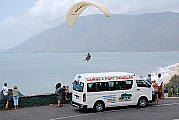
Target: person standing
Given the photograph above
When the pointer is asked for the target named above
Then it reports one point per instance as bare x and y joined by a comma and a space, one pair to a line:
15, 94
165, 92
172, 91
160, 86
5, 91
155, 86
66, 91
59, 93
148, 79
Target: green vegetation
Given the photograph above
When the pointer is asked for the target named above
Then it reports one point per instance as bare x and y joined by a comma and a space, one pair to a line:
174, 82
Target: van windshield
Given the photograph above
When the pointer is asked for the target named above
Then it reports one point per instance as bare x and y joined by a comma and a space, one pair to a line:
78, 86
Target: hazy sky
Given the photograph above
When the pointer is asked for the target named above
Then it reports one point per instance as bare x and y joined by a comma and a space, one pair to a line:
19, 19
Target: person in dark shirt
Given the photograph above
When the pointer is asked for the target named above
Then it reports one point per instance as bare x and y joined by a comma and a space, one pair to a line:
172, 91
59, 93
165, 92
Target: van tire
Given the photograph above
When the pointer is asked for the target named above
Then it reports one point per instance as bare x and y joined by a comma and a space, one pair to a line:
99, 106
142, 102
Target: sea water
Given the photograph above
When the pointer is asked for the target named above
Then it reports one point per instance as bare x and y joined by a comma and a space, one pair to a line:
38, 73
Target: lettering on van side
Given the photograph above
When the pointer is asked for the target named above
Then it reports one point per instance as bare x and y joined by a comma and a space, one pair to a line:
109, 78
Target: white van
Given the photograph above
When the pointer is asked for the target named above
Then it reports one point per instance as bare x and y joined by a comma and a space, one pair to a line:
110, 89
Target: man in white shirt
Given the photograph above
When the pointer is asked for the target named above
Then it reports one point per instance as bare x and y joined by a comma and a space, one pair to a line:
160, 86
5, 93
5, 89
159, 80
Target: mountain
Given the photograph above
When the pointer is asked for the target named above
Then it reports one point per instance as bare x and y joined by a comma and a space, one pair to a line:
122, 33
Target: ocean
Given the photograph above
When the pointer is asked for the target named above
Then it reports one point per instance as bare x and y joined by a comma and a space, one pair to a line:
38, 73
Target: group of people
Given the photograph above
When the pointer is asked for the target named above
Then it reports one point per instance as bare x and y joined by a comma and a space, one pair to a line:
61, 93
160, 90
9, 94
173, 92
13, 94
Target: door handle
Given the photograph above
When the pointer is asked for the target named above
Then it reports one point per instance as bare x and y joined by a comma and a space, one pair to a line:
138, 89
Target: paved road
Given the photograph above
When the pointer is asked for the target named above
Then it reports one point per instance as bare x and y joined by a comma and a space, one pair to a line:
167, 110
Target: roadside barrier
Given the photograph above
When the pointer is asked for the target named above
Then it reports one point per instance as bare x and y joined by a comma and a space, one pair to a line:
36, 100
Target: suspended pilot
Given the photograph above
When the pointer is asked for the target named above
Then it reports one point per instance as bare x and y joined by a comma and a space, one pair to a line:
88, 57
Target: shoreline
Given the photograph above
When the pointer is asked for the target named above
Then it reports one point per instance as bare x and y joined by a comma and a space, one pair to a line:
174, 71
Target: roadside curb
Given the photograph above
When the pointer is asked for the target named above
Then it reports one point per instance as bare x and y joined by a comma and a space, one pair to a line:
171, 97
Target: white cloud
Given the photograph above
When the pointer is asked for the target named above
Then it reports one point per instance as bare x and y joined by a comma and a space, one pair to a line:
49, 13
141, 6
44, 14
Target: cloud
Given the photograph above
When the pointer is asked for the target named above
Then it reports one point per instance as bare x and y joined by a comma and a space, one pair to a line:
141, 6
50, 13
44, 14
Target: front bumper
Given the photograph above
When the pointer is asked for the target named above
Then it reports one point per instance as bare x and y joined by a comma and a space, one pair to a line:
81, 106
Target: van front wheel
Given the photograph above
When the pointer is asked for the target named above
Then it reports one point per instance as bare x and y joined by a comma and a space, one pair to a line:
99, 106
142, 102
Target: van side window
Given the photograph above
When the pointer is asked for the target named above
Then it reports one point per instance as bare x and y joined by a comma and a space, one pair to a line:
112, 85
109, 86
91, 87
98, 86
124, 85
142, 83
103, 86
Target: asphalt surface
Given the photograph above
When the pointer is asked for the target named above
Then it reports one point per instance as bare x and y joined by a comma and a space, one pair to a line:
167, 110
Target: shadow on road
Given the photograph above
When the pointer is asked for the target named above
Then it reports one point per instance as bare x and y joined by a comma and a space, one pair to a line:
110, 108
